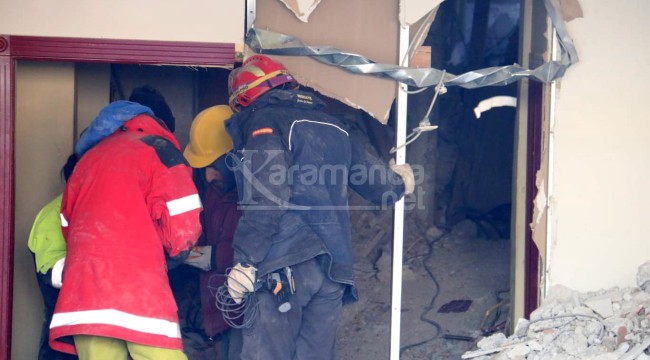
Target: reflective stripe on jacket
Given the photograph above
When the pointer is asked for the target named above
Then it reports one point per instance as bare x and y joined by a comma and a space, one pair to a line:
130, 200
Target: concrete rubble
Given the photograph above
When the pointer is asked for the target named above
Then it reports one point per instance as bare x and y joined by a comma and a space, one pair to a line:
612, 324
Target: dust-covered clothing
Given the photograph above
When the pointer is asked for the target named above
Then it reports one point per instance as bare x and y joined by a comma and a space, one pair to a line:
308, 330
130, 200
294, 166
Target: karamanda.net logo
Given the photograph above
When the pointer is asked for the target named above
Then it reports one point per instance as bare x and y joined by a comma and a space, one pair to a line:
266, 178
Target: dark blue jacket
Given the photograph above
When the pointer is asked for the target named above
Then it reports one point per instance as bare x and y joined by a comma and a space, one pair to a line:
294, 164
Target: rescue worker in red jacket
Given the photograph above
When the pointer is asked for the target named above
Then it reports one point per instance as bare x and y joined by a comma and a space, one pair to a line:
130, 201
207, 152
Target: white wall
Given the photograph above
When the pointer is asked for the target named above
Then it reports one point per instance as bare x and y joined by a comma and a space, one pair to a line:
191, 20
602, 157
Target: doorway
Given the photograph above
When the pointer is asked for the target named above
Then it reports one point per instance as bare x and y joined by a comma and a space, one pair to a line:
68, 64
457, 244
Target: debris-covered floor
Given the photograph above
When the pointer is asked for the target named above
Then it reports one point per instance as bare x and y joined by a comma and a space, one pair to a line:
610, 324
455, 303
450, 280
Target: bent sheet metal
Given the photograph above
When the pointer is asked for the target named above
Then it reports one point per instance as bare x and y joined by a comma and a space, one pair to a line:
273, 43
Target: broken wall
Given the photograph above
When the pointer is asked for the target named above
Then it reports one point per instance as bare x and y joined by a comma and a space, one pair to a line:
354, 27
600, 167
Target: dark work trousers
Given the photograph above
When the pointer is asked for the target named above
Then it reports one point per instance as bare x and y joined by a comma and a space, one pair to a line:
233, 344
50, 296
307, 330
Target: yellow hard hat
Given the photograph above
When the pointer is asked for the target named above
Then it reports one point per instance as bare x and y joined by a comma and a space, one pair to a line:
208, 137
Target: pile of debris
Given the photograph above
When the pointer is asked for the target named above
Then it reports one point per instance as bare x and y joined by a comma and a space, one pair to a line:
610, 324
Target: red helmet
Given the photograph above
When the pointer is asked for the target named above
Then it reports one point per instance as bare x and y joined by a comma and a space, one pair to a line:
257, 75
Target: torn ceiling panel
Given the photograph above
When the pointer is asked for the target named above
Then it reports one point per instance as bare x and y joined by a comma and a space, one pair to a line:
419, 32
570, 9
301, 8
284, 44
411, 11
355, 26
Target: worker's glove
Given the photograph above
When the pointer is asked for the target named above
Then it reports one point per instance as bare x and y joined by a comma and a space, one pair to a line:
406, 172
241, 279
200, 257
57, 273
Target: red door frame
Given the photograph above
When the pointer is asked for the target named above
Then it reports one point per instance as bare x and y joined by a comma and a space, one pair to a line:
14, 48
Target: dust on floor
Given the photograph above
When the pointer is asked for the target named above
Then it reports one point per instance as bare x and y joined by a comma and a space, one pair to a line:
439, 267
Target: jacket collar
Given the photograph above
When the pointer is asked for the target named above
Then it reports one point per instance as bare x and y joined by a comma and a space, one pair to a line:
293, 98
149, 126
109, 120
282, 97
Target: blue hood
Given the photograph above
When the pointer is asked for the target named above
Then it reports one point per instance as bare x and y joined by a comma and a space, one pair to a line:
110, 119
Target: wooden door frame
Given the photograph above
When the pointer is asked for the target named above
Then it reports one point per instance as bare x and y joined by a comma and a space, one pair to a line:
14, 48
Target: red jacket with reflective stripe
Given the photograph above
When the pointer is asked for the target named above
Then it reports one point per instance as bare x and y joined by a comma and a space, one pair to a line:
130, 199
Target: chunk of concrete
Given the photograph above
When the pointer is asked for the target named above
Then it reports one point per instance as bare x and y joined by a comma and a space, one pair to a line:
643, 276
601, 305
